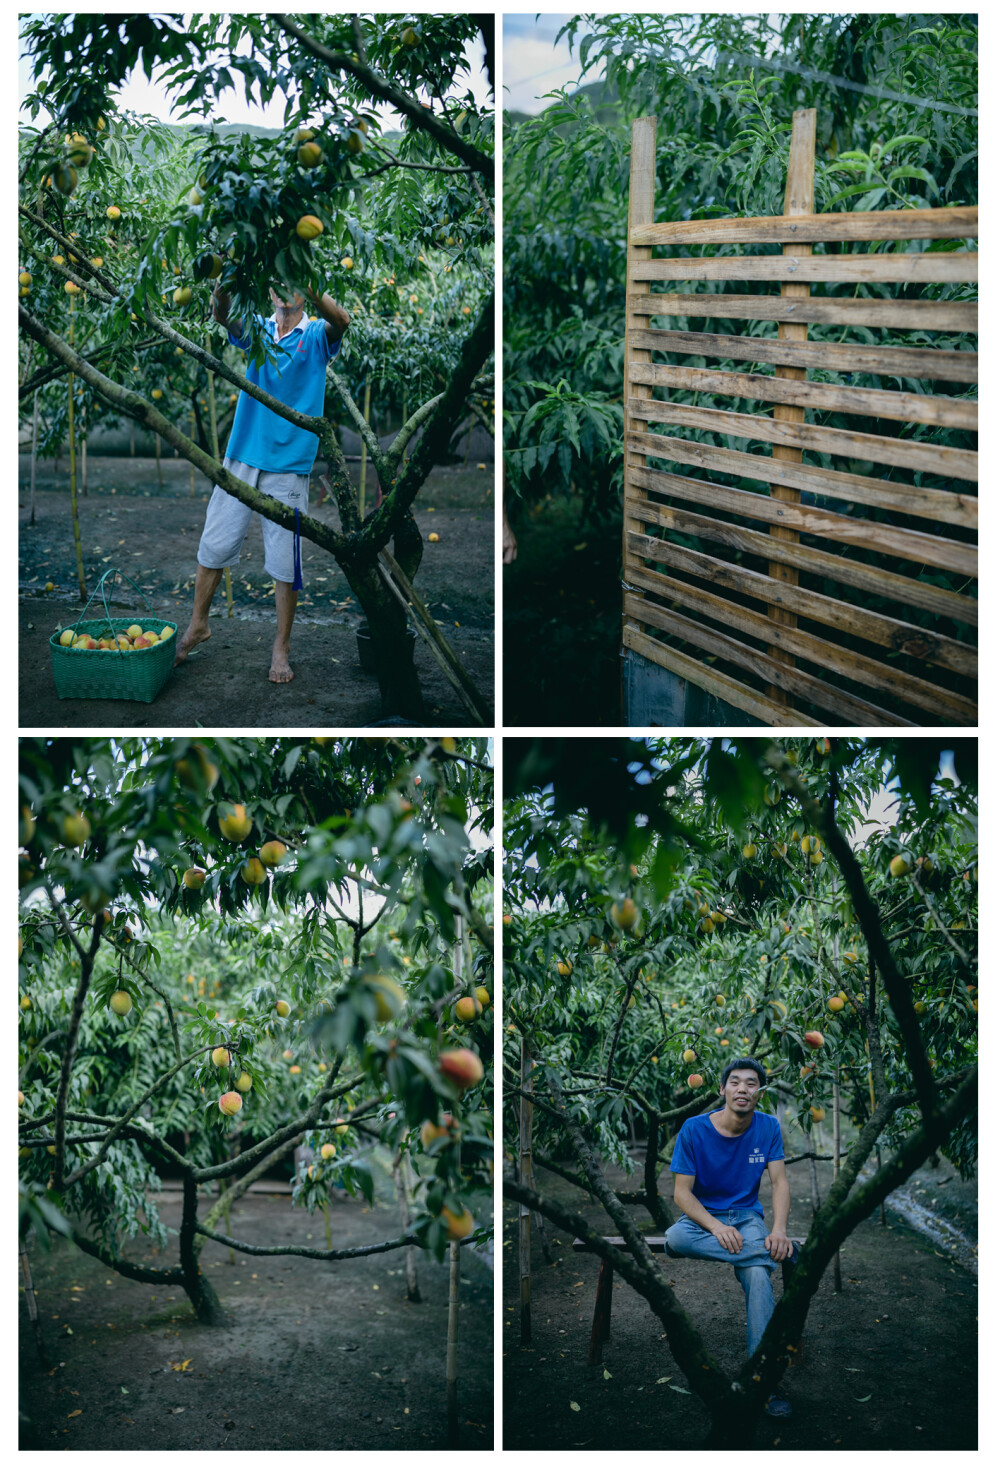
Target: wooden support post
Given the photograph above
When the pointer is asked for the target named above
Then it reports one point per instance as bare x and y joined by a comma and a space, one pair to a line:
451, 1375
798, 201
641, 194
70, 430
193, 432
600, 1331
364, 449
29, 1295
159, 469
523, 1213
34, 455
83, 464
837, 1285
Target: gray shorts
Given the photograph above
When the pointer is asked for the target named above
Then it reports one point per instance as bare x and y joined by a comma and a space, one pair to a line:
227, 520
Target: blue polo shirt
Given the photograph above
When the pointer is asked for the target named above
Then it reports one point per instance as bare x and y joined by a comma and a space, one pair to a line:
727, 1169
297, 377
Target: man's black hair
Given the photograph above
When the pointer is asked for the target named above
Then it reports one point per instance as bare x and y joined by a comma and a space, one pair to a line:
746, 1063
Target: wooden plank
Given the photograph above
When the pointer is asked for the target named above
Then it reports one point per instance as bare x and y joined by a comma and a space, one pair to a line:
909, 591
951, 223
716, 683
850, 709
845, 486
867, 312
841, 358
894, 266
641, 200
850, 619
798, 203
887, 450
875, 674
881, 404
877, 537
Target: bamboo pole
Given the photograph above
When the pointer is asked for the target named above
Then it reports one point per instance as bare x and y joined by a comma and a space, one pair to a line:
524, 1174
72, 470
798, 201
364, 448
83, 463
29, 1295
326, 1220
191, 492
451, 1369
131, 440
641, 200
837, 1285
225, 1214
34, 455
159, 470
404, 1195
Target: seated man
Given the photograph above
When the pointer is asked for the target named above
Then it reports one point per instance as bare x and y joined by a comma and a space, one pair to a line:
718, 1163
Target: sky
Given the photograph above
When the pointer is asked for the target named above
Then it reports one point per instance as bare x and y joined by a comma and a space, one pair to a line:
532, 63
142, 96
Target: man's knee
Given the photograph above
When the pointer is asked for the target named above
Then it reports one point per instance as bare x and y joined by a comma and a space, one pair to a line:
672, 1241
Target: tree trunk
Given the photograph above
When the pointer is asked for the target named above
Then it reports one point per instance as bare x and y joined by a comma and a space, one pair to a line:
398, 685
198, 1289
401, 1175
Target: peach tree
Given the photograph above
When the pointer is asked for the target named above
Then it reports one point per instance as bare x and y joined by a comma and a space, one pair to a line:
228, 951
396, 226
672, 905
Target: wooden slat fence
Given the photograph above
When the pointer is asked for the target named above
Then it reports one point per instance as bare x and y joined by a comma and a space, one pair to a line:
803, 569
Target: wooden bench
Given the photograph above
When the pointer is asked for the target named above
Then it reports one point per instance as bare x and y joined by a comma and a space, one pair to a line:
600, 1331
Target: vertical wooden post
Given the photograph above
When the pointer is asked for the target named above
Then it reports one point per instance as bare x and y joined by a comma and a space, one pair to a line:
159, 470
34, 455
70, 430
83, 462
29, 1295
837, 1285
641, 192
798, 201
451, 1373
364, 449
524, 1177
193, 433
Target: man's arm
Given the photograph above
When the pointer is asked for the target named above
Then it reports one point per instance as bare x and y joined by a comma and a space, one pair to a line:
730, 1238
778, 1244
336, 320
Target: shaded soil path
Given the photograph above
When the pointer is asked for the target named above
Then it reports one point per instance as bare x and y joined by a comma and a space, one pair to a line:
889, 1363
151, 534
313, 1355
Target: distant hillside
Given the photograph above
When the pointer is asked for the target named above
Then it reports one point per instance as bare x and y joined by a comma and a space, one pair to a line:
602, 99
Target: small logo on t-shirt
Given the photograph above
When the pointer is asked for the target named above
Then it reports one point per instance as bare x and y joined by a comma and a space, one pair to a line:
756, 1157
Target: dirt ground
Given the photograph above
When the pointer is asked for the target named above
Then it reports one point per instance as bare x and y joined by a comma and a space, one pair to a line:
313, 1355
151, 534
889, 1363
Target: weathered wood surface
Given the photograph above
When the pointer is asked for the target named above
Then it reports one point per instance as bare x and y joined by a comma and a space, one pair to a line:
914, 593
866, 312
942, 410
895, 266
867, 624
845, 486
642, 186
878, 537
715, 682
865, 670
951, 223
841, 358
887, 450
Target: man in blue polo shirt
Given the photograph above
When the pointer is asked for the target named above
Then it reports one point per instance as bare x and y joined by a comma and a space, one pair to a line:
270, 454
718, 1162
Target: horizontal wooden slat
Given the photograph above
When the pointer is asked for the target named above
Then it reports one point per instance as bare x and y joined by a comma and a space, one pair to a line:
951, 223
845, 486
715, 682
867, 312
843, 704
912, 592
877, 537
875, 674
881, 404
887, 450
897, 266
841, 358
849, 619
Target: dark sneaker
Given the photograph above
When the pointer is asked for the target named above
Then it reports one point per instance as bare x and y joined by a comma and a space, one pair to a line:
778, 1407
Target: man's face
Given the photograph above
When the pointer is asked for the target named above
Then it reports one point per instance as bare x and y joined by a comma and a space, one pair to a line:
741, 1091
291, 301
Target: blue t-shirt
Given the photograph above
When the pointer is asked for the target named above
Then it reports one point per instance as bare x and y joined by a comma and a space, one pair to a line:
727, 1169
297, 377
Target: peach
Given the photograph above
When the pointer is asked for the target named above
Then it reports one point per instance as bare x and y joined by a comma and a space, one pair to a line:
462, 1067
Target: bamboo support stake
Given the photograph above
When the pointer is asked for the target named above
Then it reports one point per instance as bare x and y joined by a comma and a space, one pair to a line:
131, 441
225, 1214
798, 201
29, 1295
364, 448
326, 1220
72, 471
837, 1285
159, 469
641, 193
83, 464
191, 492
451, 1366
404, 1195
34, 455
524, 1175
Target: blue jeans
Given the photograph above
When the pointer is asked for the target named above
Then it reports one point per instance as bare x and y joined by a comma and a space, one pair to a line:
752, 1265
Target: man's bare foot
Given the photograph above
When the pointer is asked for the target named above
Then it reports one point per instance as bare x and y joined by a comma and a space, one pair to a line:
193, 635
281, 671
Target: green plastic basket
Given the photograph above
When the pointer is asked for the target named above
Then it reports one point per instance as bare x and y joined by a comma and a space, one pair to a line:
112, 675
